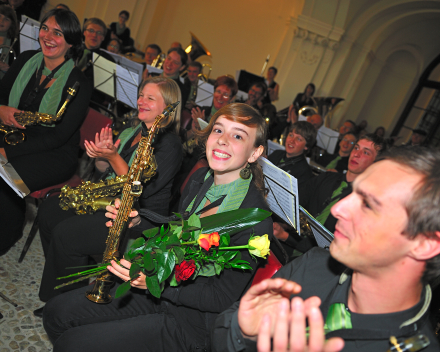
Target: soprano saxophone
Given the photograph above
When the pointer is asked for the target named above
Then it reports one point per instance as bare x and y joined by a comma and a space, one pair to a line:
131, 191
15, 136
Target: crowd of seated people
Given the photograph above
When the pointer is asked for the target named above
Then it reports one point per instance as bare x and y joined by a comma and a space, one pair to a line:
344, 199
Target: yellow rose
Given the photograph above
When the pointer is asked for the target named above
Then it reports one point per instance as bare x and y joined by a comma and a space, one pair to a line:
261, 245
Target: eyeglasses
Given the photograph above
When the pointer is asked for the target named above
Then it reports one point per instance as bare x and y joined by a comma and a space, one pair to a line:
92, 31
113, 46
349, 142
224, 95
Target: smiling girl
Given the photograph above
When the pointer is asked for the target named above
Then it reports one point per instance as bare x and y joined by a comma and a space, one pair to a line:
181, 320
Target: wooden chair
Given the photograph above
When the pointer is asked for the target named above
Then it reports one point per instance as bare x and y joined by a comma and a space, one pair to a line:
93, 123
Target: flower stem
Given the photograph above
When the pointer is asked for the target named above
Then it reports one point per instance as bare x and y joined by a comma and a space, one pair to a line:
236, 247
190, 242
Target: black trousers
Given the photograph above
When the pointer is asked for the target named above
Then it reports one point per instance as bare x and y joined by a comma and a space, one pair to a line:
37, 171
135, 321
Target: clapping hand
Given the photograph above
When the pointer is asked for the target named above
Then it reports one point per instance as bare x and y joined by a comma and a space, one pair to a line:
103, 146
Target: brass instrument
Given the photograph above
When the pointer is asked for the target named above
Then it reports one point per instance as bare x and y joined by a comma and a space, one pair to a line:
159, 60
196, 48
307, 110
14, 136
131, 191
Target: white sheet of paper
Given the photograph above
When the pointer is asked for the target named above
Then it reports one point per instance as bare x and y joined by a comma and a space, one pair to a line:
129, 65
283, 192
103, 75
152, 69
126, 86
272, 146
205, 93
241, 96
327, 139
11, 177
202, 123
29, 37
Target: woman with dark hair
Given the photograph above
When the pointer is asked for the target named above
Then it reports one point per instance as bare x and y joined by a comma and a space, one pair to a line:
8, 32
182, 318
38, 82
302, 99
119, 29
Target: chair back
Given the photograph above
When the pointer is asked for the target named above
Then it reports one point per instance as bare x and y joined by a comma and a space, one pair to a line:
199, 164
93, 124
267, 271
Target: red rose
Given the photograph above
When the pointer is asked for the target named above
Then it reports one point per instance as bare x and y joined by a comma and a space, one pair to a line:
184, 270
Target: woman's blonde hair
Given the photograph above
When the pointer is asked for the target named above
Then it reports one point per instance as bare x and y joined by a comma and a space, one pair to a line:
248, 116
170, 92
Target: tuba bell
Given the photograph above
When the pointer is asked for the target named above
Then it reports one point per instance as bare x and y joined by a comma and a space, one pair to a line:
196, 48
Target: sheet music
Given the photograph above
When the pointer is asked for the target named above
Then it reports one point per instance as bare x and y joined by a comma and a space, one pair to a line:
11, 177
205, 93
103, 75
323, 236
29, 37
272, 146
283, 192
202, 123
126, 86
128, 64
152, 69
327, 139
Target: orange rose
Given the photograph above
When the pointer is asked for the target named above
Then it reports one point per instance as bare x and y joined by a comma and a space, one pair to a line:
207, 240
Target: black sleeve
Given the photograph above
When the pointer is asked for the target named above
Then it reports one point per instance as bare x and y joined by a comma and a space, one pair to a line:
50, 138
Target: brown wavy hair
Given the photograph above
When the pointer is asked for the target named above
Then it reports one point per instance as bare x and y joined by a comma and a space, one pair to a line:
248, 116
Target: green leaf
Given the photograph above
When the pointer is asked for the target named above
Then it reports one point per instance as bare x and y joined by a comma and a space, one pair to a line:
138, 243
218, 268
129, 255
233, 221
186, 236
241, 266
153, 285
180, 254
228, 255
173, 281
237, 257
134, 270
207, 270
225, 239
122, 289
148, 261
151, 232
173, 240
178, 215
194, 221
166, 263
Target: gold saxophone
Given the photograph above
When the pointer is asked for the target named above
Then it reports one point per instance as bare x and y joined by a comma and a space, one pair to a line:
131, 191
15, 136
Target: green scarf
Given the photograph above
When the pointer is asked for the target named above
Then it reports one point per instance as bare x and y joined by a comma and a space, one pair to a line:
234, 191
51, 100
333, 163
322, 217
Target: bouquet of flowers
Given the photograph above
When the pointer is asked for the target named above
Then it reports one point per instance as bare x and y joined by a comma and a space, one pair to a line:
185, 249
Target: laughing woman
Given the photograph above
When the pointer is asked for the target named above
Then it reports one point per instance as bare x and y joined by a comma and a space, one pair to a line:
38, 82
181, 320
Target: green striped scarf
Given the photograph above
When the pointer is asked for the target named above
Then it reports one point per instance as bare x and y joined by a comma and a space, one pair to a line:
51, 100
338, 317
322, 217
333, 163
234, 191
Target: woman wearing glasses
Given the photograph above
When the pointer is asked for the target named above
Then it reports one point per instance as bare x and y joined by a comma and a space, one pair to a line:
339, 162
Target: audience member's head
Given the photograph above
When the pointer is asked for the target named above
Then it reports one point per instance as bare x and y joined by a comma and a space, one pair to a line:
176, 45
8, 21
225, 89
423, 205
315, 120
347, 126
114, 46
256, 93
301, 137
123, 17
365, 152
347, 143
15, 4
194, 69
151, 53
94, 33
271, 73
71, 29
63, 7
418, 137
174, 62
309, 90
380, 131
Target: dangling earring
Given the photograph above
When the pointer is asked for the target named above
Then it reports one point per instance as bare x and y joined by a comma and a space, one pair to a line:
246, 172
